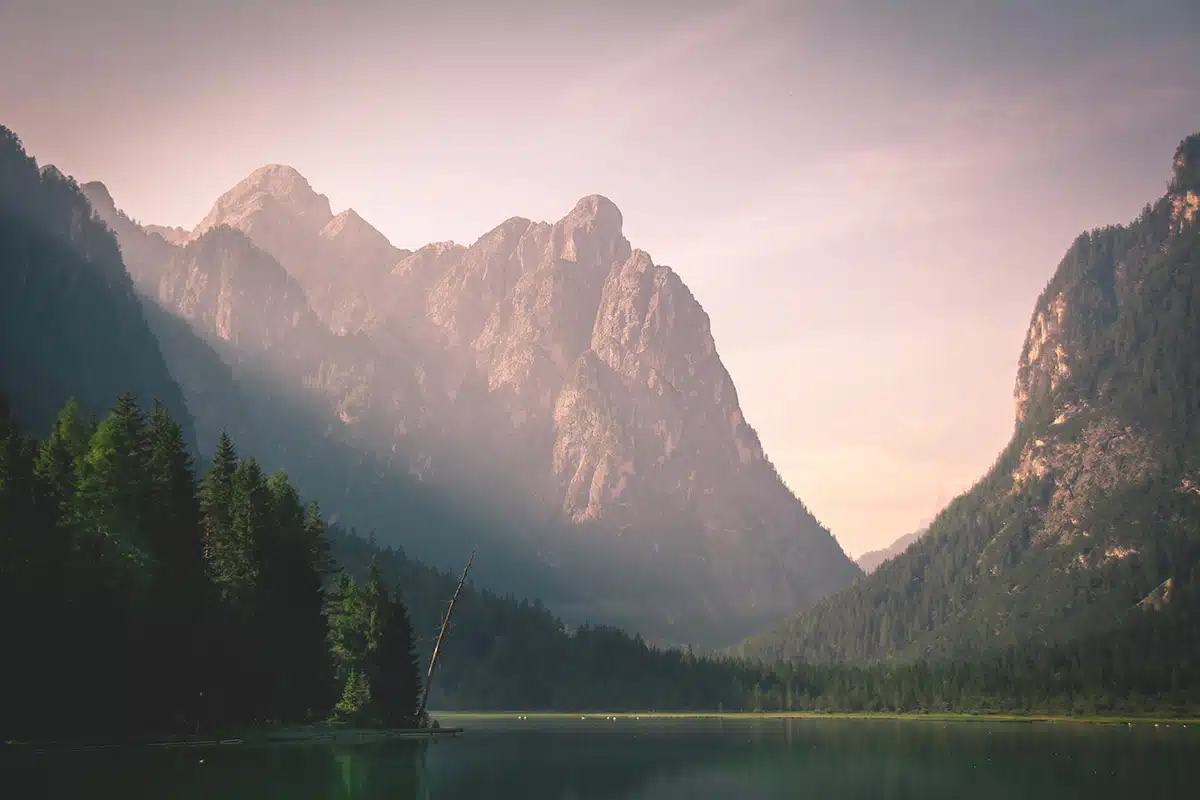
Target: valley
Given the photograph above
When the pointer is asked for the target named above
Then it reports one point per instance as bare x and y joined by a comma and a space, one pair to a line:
1061, 583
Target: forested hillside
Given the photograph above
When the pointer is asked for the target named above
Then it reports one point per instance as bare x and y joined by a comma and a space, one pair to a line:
70, 324
1089, 522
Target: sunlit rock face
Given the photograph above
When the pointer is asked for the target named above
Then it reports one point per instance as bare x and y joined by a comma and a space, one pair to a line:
550, 368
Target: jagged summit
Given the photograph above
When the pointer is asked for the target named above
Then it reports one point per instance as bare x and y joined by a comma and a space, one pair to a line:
350, 225
274, 190
591, 233
349, 219
278, 179
596, 212
598, 206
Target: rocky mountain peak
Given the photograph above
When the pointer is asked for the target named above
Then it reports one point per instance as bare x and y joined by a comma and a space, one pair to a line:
591, 233
349, 222
274, 189
278, 180
357, 243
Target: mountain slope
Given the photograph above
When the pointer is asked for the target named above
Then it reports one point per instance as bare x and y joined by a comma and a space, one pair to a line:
868, 562
1091, 515
70, 323
551, 373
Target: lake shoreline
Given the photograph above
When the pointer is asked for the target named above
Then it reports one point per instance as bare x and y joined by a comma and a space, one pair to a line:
1091, 719
455, 725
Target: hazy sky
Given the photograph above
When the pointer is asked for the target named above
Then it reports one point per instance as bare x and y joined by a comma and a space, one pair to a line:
867, 197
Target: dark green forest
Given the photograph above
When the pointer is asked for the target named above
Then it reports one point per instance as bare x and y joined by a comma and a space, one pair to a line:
139, 599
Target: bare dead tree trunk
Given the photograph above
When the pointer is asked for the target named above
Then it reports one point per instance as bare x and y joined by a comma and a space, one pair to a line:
441, 635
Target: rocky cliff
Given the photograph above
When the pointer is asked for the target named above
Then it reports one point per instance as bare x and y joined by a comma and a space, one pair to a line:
1090, 514
549, 372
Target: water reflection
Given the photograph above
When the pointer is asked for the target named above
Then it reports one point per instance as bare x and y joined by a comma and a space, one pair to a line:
656, 760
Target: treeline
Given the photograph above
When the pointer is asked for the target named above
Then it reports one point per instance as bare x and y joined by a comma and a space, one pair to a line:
507, 653
134, 598
1151, 663
510, 654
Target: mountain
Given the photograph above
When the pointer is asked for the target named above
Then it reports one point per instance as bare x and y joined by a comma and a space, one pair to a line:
868, 562
1088, 521
70, 322
61, 273
549, 377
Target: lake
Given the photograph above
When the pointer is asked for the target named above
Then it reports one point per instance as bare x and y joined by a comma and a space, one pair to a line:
658, 759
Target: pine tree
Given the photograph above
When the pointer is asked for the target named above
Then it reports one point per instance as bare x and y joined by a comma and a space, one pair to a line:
397, 673
216, 502
112, 573
60, 456
355, 703
250, 528
181, 587
293, 585
113, 496
174, 510
318, 542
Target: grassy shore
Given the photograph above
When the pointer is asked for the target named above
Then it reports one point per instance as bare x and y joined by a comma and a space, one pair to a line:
464, 718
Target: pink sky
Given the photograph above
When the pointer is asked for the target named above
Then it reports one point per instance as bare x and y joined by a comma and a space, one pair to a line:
866, 201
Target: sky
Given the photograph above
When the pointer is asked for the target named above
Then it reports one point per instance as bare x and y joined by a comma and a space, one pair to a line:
866, 197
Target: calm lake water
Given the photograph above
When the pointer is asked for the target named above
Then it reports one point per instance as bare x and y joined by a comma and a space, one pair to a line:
660, 760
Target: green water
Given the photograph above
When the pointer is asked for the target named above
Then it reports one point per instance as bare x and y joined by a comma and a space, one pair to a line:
659, 760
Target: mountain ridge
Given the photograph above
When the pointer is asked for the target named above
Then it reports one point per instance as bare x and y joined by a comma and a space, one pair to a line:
1089, 514
581, 377
70, 323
